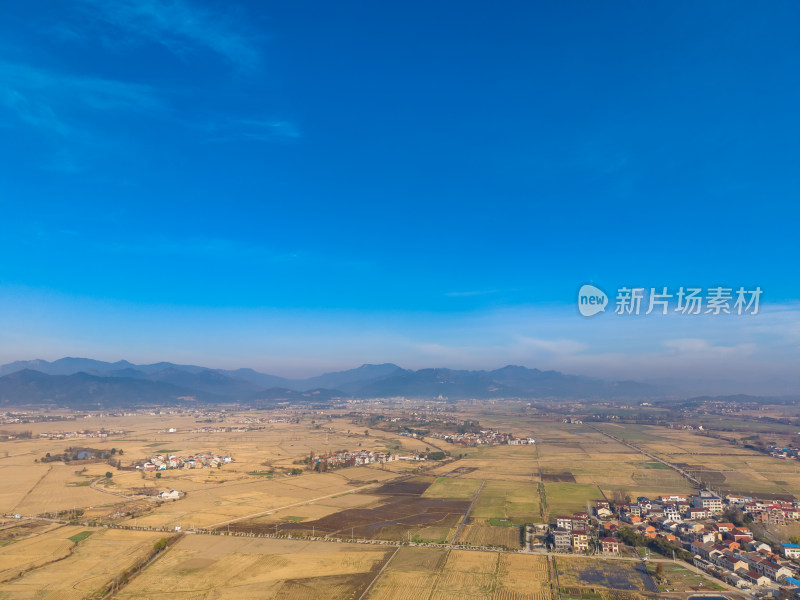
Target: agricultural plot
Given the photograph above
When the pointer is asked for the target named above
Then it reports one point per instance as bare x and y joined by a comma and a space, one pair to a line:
522, 577
502, 462
578, 572
467, 575
220, 567
73, 567
57, 490
517, 503
411, 574
20, 557
489, 536
567, 498
449, 487
217, 504
403, 512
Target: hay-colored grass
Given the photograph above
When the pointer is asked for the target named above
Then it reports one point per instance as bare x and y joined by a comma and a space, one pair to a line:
202, 566
89, 565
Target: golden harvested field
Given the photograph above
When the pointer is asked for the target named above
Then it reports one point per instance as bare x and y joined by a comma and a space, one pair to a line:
486, 535
726, 466
411, 574
34, 551
522, 577
219, 567
503, 462
56, 489
86, 566
428, 573
217, 504
467, 575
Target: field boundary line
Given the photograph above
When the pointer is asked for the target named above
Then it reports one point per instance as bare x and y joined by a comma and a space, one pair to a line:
468, 511
377, 576
33, 487
439, 575
655, 457
277, 508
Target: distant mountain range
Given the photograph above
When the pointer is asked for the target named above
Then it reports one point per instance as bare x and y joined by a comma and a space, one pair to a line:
88, 383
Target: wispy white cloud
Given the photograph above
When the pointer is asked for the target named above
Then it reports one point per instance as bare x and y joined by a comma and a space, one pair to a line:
257, 130
553, 346
180, 26
45, 99
471, 293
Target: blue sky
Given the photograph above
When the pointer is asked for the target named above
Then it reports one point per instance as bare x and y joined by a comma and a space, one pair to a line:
311, 185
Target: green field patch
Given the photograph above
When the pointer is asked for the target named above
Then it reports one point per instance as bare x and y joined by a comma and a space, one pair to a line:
83, 483
495, 522
449, 487
517, 503
261, 473
293, 519
79, 537
657, 465
567, 498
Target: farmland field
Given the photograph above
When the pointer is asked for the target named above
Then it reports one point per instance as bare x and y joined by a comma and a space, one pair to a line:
593, 573
420, 502
219, 567
53, 566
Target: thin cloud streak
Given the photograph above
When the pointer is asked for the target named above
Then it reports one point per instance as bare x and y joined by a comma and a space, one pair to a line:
178, 26
45, 99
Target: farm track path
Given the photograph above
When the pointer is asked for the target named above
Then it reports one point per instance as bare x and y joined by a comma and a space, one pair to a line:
277, 508
649, 454
468, 511
378, 575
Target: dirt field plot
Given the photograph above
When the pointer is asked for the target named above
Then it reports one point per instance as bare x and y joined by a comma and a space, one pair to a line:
593, 573
403, 513
201, 566
563, 477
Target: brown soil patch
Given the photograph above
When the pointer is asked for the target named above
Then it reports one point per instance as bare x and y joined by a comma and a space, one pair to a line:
564, 477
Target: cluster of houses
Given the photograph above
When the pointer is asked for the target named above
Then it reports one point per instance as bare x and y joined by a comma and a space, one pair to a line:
696, 524
261, 420
81, 433
744, 563
220, 429
199, 460
483, 438
343, 458
786, 453
572, 534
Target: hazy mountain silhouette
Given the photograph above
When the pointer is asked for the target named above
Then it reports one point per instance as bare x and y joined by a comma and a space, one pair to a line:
123, 383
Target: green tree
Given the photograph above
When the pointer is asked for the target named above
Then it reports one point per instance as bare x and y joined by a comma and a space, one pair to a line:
109, 474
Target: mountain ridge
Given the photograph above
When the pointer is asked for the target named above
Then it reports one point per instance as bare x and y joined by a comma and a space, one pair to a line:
124, 383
